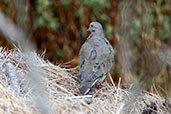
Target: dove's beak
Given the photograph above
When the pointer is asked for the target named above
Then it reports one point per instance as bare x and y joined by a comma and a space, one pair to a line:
88, 30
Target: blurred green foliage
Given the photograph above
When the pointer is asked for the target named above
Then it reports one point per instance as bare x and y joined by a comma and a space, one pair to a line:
65, 2
44, 15
96, 5
6, 1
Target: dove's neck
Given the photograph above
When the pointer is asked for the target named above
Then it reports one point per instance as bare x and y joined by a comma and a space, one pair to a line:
97, 34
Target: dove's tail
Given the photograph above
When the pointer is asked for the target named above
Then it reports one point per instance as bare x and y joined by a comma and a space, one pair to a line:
86, 85
84, 90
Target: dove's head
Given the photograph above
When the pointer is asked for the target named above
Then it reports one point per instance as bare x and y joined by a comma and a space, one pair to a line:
95, 27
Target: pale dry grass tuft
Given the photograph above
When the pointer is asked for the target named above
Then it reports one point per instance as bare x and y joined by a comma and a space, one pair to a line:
61, 84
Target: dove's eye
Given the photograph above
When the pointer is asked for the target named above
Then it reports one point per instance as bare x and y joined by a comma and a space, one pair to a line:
91, 25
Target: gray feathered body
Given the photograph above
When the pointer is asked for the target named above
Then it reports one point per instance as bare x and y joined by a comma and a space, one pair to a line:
95, 61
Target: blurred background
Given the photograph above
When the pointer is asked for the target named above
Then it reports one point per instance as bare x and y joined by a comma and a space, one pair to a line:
139, 31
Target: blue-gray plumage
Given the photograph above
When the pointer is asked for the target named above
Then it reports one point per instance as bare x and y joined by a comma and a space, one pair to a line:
95, 58
93, 54
82, 63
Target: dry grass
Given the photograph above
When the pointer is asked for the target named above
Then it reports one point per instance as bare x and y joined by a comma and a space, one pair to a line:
61, 84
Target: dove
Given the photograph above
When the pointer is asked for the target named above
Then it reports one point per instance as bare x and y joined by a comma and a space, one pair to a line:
95, 58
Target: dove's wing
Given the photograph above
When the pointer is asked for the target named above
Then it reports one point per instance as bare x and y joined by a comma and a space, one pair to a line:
95, 60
